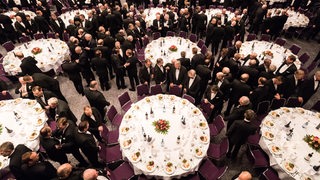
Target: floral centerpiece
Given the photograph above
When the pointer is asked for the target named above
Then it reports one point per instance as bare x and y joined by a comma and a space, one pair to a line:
161, 126
313, 142
36, 50
173, 48
267, 53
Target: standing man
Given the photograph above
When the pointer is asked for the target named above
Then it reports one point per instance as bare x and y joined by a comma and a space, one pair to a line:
28, 64
145, 73
131, 66
73, 70
84, 63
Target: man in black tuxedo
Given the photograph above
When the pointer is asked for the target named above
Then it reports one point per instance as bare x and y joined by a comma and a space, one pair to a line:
288, 67
42, 22
234, 49
202, 21
34, 168
265, 66
118, 65
86, 24
309, 87
229, 34
99, 63
146, 73
7, 150
31, 24
214, 96
42, 96
258, 17
127, 44
216, 38
59, 5
66, 132
57, 25
167, 25
131, 67
58, 108
157, 24
7, 28
160, 72
234, 64
197, 58
21, 27
259, 94
223, 84
89, 45
106, 53
87, 144
238, 112
46, 82
94, 118
177, 75
239, 132
252, 71
204, 73
73, 70
52, 146
84, 63
292, 84
192, 85
28, 64
274, 87
185, 62
96, 98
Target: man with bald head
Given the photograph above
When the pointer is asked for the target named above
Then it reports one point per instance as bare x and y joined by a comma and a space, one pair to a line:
67, 172
192, 85
177, 75
28, 64
244, 175
234, 49
92, 174
21, 27
84, 63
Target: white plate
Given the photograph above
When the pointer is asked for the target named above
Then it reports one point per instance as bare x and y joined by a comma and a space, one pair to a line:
185, 168
204, 139
126, 146
125, 130
203, 125
267, 134
39, 122
198, 154
33, 136
151, 170
138, 158
286, 163
169, 172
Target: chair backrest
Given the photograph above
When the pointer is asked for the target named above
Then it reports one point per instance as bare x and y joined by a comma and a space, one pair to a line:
156, 35
312, 66
200, 43
142, 89
293, 102
230, 9
304, 58
175, 90
7, 96
280, 41
204, 49
251, 37
124, 171
170, 33
124, 98
270, 174
65, 37
277, 103
145, 41
265, 37
206, 108
183, 34
150, 5
295, 49
24, 39
212, 6
156, 89
138, 45
160, 5
51, 35
224, 146
219, 122
207, 169
38, 36
193, 37
316, 107
9, 46
263, 107
111, 113
189, 98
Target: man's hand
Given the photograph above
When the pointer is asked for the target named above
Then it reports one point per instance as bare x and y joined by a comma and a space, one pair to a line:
211, 106
4, 93
58, 146
100, 128
77, 61
171, 84
180, 86
277, 96
146, 83
300, 99
205, 101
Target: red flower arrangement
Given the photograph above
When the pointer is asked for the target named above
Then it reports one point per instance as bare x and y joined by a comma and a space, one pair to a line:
36, 50
313, 142
161, 126
173, 48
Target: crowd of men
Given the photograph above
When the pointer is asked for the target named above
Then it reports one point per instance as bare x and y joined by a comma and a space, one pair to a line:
106, 42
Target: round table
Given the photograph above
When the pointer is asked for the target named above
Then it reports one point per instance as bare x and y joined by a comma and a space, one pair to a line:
152, 12
283, 149
53, 53
12, 14
295, 19
172, 154
160, 49
71, 14
212, 12
279, 53
25, 118
276, 1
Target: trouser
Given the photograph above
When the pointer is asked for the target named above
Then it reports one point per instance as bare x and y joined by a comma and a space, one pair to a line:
120, 81
76, 153
233, 149
78, 85
87, 75
104, 81
133, 78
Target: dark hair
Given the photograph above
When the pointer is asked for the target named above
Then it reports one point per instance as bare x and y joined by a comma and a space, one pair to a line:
82, 125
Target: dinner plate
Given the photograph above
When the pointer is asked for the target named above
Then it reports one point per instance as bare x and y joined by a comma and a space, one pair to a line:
150, 168
203, 125
204, 139
275, 149
125, 130
169, 168
199, 152
33, 135
268, 123
284, 109
17, 101
126, 143
135, 156
289, 167
268, 135
31, 103
300, 110
38, 110
196, 112
185, 164
39, 122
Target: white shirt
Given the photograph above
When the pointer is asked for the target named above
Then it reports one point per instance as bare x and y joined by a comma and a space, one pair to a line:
191, 80
284, 68
316, 83
219, 83
57, 22
177, 73
22, 24
213, 95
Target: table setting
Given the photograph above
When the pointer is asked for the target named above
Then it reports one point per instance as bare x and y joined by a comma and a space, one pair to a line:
265, 50
164, 136
169, 48
152, 12
50, 53
290, 137
295, 18
71, 14
212, 12
21, 122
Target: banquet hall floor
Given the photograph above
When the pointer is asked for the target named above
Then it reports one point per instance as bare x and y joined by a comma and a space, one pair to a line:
77, 102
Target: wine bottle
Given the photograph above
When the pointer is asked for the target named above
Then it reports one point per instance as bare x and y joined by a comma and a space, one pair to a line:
9, 130
288, 125
316, 168
174, 109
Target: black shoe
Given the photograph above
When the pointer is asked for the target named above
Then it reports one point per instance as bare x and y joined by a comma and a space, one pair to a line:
82, 165
119, 88
111, 77
124, 87
131, 89
107, 88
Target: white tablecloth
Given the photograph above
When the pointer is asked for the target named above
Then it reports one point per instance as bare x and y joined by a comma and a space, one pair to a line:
32, 119
12, 14
54, 52
276, 1
160, 49
151, 15
164, 148
279, 52
294, 150
295, 19
70, 15
212, 12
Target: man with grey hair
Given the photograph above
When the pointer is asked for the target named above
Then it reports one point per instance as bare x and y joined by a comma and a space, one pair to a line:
192, 85
237, 112
59, 108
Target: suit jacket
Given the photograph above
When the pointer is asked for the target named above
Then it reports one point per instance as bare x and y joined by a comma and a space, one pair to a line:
237, 113
290, 87
86, 143
231, 51
67, 137
272, 90
185, 62
49, 145
217, 34
42, 24
73, 70
253, 74
217, 101
100, 64
15, 161
201, 21
182, 76
40, 170
132, 68
258, 95
47, 95
21, 29
157, 24
159, 76
28, 66
225, 87
307, 89
196, 60
290, 70
239, 89
57, 27
45, 81
117, 64
144, 75
194, 89
63, 110
96, 99
93, 123
240, 131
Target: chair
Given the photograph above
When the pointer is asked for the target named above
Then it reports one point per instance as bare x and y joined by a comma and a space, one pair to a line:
295, 49
193, 38
304, 58
175, 90
262, 110
156, 89
150, 5
217, 151
123, 172
189, 98
183, 34
140, 56
253, 140
293, 102
209, 171
269, 174
9, 46
114, 117
51, 35
258, 157
24, 39
112, 138
316, 107
38, 36
277, 103
265, 37
206, 109
230, 9
138, 45
65, 37
204, 49
212, 6
217, 126
280, 41
125, 101
5, 97
142, 91
170, 33
251, 37
160, 5
156, 35
200, 43
312, 66
113, 154
145, 41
